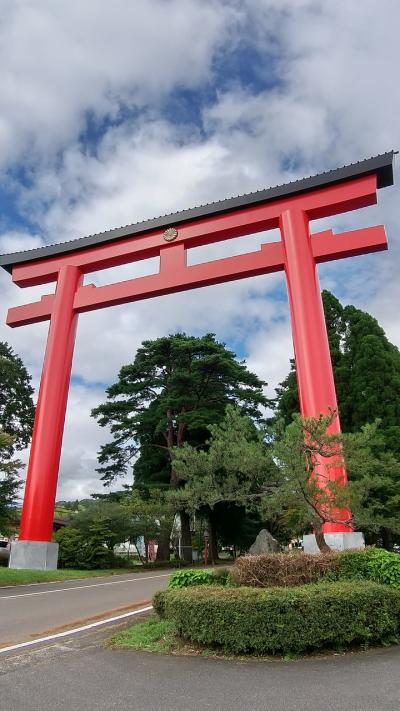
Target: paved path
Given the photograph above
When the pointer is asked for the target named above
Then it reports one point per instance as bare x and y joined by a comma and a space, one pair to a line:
82, 674
29, 611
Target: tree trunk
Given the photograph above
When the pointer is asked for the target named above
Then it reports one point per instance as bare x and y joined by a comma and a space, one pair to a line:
320, 539
387, 538
164, 541
186, 537
213, 538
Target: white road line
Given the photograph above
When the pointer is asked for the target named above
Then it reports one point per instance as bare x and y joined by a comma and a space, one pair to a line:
80, 587
56, 582
74, 631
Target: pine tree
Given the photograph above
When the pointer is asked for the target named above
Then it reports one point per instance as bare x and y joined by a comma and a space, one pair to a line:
176, 387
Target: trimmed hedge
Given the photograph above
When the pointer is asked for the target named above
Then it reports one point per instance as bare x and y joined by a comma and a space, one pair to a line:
284, 620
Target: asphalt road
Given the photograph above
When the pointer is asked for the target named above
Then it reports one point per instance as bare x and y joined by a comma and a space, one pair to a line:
29, 611
82, 674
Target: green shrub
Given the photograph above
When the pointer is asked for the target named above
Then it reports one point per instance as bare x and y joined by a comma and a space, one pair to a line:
370, 564
159, 603
77, 550
186, 578
384, 567
281, 569
284, 620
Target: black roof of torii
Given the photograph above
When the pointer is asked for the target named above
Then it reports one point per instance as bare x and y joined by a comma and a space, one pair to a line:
381, 165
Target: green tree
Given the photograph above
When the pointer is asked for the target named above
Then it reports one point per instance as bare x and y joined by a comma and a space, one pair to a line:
369, 377
374, 473
116, 520
149, 512
10, 483
176, 387
84, 550
304, 452
16, 404
232, 472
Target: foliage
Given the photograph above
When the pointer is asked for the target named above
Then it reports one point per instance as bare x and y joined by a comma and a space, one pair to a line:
374, 486
16, 419
152, 515
284, 620
236, 467
384, 567
370, 564
124, 516
10, 483
85, 551
184, 578
366, 368
16, 404
305, 452
176, 387
115, 520
281, 569
239, 526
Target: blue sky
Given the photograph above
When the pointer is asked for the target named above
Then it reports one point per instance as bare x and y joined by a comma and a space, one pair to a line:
116, 113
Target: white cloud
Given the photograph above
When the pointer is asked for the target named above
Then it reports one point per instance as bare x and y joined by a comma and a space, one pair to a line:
64, 61
329, 70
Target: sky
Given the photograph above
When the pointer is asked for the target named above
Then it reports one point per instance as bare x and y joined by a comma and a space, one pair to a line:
117, 112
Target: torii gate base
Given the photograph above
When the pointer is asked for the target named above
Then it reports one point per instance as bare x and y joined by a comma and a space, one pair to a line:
33, 555
336, 541
288, 207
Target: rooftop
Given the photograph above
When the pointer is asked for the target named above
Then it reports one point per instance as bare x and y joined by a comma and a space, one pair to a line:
381, 165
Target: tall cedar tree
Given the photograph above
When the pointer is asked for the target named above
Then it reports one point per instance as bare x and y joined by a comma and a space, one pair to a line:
176, 387
367, 377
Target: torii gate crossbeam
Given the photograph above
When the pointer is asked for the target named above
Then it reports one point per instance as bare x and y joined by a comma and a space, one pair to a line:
289, 207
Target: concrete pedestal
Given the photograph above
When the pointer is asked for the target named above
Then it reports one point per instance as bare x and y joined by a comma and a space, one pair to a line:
33, 555
336, 541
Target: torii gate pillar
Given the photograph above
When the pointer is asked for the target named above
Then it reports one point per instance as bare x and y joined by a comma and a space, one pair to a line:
288, 207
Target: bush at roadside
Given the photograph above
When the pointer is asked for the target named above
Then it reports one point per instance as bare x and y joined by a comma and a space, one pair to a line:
82, 552
284, 620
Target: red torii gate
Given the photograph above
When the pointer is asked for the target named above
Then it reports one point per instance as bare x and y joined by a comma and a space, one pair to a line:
290, 207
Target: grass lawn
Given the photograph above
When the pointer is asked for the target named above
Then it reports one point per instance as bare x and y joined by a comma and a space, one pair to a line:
8, 576
160, 637
152, 635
